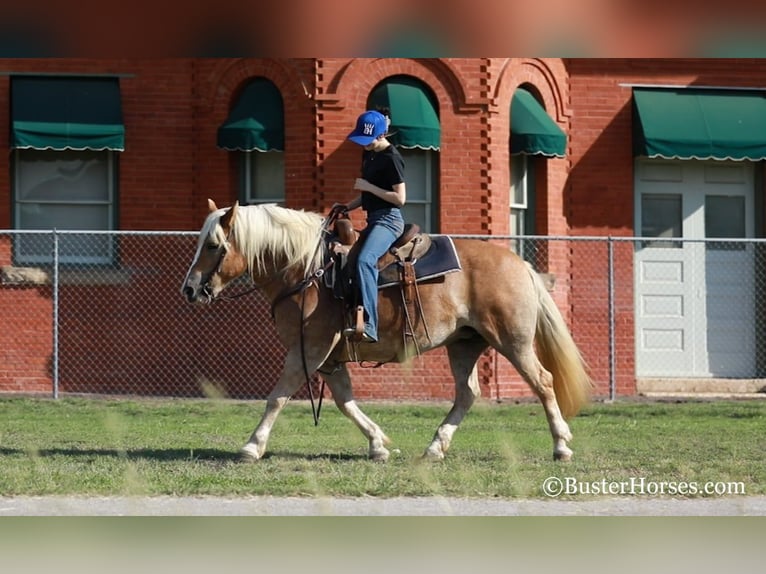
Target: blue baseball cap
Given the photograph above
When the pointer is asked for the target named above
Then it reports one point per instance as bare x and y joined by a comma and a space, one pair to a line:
369, 126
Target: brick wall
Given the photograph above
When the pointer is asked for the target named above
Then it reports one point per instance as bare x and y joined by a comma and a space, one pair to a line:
155, 178
173, 107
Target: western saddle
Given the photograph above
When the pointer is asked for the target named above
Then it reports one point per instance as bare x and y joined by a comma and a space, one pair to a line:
397, 265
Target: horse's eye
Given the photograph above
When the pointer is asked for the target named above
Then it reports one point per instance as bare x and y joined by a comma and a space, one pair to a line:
212, 247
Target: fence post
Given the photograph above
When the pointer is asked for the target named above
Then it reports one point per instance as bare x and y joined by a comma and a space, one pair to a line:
55, 285
612, 346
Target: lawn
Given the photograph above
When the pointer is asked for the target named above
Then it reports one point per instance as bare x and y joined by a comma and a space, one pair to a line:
190, 447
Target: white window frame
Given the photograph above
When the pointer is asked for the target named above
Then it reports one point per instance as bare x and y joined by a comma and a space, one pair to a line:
424, 205
518, 209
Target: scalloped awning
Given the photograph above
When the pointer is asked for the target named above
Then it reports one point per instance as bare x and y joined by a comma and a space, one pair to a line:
688, 123
256, 123
66, 113
414, 117
533, 132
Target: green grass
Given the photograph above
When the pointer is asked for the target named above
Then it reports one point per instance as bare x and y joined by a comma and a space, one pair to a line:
152, 447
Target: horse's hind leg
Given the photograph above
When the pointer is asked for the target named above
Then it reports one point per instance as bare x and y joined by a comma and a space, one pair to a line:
541, 382
340, 385
463, 355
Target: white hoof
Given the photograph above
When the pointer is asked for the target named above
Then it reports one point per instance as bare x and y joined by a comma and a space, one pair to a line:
379, 455
433, 454
250, 452
562, 453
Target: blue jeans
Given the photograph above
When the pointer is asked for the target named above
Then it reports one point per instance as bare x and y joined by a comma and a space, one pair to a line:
384, 226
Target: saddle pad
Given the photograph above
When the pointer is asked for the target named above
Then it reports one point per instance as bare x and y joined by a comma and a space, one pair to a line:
440, 259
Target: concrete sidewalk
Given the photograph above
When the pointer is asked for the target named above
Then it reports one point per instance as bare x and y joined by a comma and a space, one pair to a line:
403, 506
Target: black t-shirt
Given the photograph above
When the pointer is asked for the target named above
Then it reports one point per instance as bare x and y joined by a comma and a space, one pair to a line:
384, 169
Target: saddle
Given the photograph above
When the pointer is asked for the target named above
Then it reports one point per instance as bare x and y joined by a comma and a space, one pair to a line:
410, 245
412, 258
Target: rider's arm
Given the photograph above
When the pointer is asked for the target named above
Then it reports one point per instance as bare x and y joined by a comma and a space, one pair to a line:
397, 196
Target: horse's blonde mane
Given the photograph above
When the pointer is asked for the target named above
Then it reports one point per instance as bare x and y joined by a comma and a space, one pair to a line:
267, 232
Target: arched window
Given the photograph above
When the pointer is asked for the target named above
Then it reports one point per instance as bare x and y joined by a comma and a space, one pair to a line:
416, 132
533, 135
255, 127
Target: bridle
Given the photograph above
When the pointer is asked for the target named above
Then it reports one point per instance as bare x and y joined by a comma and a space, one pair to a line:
224, 249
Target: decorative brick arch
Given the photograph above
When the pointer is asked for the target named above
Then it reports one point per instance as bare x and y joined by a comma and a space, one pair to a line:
547, 75
354, 82
219, 87
231, 75
343, 88
550, 80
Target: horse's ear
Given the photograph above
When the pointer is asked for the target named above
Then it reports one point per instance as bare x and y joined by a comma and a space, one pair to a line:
211, 205
227, 219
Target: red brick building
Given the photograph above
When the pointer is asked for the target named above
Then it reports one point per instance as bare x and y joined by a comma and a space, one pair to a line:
173, 157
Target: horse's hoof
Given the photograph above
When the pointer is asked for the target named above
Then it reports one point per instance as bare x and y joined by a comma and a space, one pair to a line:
380, 455
432, 456
250, 453
563, 455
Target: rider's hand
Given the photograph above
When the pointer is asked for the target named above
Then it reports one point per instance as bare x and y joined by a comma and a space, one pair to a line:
362, 184
339, 209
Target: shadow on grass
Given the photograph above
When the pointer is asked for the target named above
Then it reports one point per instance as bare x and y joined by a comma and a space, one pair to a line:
174, 454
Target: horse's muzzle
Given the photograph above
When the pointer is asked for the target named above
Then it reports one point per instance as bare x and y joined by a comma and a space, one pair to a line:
190, 294
203, 294
196, 288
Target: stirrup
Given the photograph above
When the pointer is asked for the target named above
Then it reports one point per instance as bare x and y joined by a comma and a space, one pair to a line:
351, 334
356, 333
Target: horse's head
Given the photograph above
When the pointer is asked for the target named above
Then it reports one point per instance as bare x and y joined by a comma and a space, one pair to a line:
217, 260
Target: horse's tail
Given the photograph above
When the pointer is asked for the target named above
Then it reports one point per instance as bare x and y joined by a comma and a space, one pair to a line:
559, 354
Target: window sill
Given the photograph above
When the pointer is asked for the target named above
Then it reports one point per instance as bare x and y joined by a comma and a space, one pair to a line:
35, 276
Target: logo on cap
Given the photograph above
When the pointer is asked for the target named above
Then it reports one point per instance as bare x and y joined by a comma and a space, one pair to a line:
370, 125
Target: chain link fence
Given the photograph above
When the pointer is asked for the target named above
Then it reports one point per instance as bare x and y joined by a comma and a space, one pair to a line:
102, 313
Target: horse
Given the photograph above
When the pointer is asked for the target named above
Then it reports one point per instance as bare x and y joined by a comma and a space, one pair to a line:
496, 300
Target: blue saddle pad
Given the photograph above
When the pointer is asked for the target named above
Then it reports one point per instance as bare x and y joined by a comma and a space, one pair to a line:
440, 259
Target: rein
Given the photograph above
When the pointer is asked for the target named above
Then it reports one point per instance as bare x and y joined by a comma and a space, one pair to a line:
310, 279
301, 287
238, 295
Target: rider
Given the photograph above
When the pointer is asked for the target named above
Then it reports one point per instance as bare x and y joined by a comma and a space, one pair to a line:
382, 195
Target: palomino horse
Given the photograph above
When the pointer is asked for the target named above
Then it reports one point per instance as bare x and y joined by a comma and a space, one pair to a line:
496, 300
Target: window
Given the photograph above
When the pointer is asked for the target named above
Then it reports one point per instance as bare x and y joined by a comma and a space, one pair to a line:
420, 173
263, 177
522, 203
64, 190
255, 128
661, 216
65, 133
725, 218
416, 132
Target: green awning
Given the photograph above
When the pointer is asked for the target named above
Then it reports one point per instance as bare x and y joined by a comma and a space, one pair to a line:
533, 132
61, 113
687, 123
414, 116
257, 121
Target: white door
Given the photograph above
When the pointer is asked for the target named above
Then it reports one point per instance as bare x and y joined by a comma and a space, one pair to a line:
695, 303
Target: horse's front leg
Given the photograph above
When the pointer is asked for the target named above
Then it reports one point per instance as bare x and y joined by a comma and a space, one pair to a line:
289, 382
340, 385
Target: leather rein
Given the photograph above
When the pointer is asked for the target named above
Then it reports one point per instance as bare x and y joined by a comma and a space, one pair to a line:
286, 293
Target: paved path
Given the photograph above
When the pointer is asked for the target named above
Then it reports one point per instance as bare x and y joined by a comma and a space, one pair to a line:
432, 506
